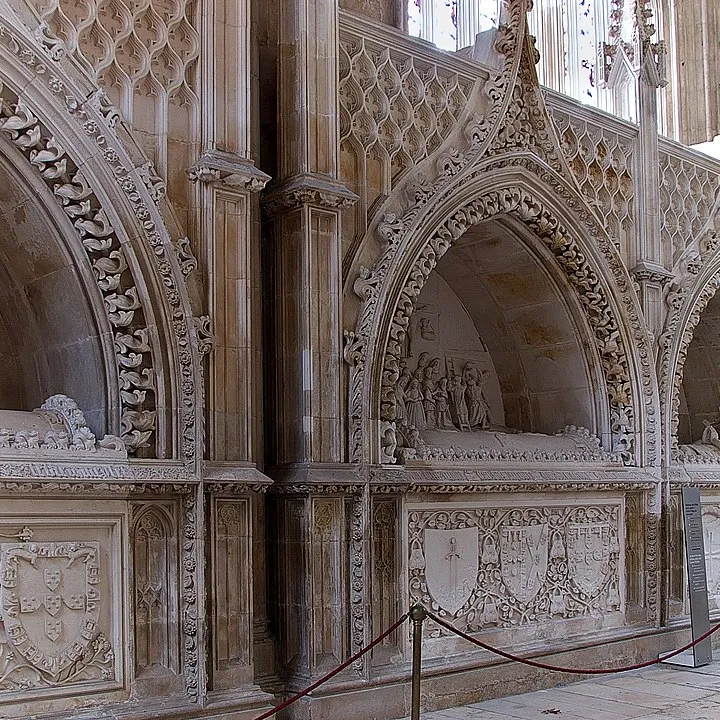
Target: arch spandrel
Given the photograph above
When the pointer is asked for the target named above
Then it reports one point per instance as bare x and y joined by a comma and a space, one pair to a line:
109, 198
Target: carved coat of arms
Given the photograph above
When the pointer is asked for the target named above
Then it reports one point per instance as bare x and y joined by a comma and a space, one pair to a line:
451, 566
50, 604
588, 548
523, 559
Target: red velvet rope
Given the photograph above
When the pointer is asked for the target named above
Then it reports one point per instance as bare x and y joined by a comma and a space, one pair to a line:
334, 672
576, 671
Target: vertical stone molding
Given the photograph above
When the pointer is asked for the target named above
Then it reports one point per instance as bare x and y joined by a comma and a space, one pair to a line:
385, 591
226, 213
313, 551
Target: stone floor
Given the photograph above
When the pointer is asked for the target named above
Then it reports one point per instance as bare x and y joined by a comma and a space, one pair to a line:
663, 692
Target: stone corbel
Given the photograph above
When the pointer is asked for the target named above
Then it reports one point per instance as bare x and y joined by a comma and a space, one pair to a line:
309, 190
650, 272
228, 170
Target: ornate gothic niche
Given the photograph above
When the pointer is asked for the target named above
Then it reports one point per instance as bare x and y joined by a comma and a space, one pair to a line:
699, 411
54, 332
94, 181
498, 361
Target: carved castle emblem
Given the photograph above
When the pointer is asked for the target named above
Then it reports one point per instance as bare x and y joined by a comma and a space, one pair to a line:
451, 569
524, 559
589, 546
50, 604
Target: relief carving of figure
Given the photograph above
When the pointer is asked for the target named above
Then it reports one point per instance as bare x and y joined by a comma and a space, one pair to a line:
426, 329
428, 387
443, 421
458, 406
422, 363
478, 407
414, 403
400, 390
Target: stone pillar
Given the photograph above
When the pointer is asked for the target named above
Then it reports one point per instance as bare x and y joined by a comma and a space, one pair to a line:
649, 260
226, 218
306, 206
653, 261
427, 19
227, 182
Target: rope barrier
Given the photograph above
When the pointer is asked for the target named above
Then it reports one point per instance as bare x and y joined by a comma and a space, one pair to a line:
484, 646
334, 672
557, 668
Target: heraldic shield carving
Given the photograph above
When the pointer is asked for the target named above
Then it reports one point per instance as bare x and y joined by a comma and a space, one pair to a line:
524, 559
451, 566
50, 605
589, 546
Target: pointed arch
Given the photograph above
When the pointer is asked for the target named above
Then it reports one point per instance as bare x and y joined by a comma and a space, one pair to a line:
557, 216
687, 305
114, 228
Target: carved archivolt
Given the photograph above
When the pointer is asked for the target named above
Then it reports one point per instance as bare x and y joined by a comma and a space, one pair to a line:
98, 237
443, 181
685, 309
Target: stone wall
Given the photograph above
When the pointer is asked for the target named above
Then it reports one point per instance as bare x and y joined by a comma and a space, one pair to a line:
356, 323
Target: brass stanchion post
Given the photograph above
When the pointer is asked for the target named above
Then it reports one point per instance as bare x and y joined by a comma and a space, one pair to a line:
417, 614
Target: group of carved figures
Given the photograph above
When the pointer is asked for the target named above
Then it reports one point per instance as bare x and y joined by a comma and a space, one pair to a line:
455, 401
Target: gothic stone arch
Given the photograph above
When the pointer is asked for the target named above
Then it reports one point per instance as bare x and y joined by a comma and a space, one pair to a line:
686, 306
389, 290
110, 197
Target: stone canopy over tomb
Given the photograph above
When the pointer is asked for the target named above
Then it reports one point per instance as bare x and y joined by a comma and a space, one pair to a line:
305, 319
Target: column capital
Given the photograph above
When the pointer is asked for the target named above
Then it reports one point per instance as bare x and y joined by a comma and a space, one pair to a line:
308, 189
228, 170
